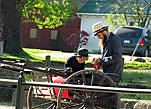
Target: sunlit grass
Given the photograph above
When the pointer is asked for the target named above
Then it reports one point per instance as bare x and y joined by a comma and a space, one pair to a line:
29, 50
137, 65
29, 54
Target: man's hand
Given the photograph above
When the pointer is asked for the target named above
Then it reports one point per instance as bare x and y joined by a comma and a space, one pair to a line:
98, 60
69, 69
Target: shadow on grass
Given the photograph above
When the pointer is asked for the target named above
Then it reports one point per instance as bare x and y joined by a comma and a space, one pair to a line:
39, 61
25, 55
36, 61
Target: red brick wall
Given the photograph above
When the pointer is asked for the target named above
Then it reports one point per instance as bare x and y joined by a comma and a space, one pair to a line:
43, 40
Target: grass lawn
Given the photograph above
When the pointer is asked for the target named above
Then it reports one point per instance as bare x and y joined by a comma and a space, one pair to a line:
135, 78
128, 77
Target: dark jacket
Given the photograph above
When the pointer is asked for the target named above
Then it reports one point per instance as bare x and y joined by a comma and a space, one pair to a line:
111, 60
74, 64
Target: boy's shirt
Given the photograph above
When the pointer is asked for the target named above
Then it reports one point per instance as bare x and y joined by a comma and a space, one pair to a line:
74, 64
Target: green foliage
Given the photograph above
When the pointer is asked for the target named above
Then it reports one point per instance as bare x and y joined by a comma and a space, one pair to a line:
125, 11
115, 20
45, 13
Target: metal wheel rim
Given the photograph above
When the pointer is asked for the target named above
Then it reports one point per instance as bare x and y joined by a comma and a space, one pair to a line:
51, 104
78, 73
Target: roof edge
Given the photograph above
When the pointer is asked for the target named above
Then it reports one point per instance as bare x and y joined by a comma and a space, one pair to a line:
90, 14
100, 14
94, 14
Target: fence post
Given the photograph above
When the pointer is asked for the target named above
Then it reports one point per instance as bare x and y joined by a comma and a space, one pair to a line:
20, 92
47, 61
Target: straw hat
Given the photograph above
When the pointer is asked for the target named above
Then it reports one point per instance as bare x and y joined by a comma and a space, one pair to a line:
98, 27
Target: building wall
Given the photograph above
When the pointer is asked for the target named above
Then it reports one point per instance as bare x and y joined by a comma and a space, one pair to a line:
86, 24
43, 39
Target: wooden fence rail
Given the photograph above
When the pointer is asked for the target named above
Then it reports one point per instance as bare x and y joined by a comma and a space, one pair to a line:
21, 83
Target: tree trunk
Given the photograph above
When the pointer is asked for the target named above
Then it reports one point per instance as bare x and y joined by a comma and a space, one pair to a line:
10, 27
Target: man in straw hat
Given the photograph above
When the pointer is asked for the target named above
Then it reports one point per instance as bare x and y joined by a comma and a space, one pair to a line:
77, 62
111, 61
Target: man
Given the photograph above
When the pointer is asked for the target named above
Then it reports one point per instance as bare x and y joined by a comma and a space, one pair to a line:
111, 61
77, 62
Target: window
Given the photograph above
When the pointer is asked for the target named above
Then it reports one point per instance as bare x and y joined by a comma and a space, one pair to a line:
53, 34
129, 32
33, 33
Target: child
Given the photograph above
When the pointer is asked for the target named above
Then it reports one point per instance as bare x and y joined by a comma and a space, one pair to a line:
77, 62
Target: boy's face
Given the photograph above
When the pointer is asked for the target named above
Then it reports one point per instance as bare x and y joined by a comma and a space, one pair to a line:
81, 59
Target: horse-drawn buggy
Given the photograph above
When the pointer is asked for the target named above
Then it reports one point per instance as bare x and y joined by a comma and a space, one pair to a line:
56, 98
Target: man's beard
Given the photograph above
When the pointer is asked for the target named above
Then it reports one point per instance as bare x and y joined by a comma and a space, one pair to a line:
105, 39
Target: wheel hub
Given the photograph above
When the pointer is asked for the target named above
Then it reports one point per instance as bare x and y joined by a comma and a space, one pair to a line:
88, 103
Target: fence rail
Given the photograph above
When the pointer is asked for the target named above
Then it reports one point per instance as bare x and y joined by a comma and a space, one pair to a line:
21, 83
91, 88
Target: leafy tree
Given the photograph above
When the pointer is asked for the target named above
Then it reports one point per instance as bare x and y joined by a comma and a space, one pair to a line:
125, 11
45, 13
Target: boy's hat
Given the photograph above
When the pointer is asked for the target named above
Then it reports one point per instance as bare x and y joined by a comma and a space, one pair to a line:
98, 27
82, 52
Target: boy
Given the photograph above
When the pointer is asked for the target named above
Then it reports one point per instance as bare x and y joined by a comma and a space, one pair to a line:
77, 62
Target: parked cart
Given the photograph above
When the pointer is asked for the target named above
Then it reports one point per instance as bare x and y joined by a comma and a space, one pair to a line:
56, 98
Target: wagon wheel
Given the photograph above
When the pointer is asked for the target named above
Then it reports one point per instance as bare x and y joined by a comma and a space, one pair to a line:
89, 99
39, 102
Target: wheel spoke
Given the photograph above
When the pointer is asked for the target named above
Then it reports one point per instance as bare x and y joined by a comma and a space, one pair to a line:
73, 81
69, 106
92, 79
52, 106
80, 96
101, 82
96, 107
44, 104
93, 94
81, 107
104, 96
84, 79
77, 94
